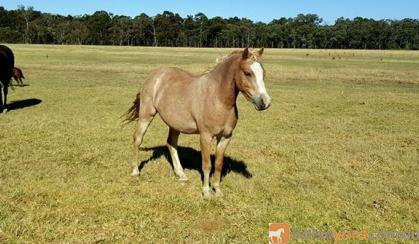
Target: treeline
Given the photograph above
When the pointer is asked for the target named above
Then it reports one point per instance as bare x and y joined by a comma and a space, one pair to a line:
26, 25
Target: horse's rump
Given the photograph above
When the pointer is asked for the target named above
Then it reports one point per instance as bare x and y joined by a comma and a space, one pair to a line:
7, 63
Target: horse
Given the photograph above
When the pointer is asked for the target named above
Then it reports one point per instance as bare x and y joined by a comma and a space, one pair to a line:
200, 104
17, 75
7, 63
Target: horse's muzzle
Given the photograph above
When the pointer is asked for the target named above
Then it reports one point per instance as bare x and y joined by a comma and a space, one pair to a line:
262, 102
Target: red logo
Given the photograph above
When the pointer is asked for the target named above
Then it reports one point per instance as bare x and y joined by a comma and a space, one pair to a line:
279, 233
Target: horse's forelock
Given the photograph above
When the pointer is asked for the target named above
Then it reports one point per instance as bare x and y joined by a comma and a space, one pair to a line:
254, 56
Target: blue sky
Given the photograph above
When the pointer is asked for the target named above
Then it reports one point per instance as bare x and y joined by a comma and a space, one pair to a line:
262, 10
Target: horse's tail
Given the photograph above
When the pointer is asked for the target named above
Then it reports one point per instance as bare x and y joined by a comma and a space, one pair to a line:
134, 111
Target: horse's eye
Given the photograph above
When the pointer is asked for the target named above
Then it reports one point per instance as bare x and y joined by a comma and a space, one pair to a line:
248, 74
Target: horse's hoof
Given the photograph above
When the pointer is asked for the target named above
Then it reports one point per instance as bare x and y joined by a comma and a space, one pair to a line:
183, 178
206, 193
135, 172
219, 193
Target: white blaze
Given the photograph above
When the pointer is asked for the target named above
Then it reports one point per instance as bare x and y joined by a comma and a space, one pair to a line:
258, 71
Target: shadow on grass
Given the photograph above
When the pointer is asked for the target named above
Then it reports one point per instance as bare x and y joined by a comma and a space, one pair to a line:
19, 104
191, 159
18, 85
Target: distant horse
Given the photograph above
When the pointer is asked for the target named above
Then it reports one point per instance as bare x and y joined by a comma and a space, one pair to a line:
17, 74
204, 104
7, 63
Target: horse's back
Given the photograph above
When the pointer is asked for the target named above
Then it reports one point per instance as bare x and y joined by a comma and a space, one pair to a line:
174, 81
173, 74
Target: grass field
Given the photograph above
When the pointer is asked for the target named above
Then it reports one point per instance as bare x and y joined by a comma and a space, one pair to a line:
338, 149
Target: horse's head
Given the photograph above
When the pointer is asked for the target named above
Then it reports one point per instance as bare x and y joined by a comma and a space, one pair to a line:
250, 79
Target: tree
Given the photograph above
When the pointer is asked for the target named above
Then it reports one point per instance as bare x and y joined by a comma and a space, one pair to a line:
98, 25
143, 31
27, 14
169, 29
202, 21
121, 30
215, 27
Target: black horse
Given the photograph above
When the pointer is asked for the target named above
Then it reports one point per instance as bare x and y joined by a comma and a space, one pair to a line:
7, 63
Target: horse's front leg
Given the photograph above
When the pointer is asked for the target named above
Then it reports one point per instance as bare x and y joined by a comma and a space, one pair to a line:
2, 103
172, 146
6, 91
222, 143
206, 162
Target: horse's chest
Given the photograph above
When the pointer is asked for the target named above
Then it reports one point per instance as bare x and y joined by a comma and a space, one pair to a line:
222, 123
227, 131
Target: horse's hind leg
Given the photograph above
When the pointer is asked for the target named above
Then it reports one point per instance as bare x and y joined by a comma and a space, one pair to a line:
222, 144
172, 146
147, 113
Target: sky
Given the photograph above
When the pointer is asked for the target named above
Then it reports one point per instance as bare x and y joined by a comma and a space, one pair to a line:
256, 10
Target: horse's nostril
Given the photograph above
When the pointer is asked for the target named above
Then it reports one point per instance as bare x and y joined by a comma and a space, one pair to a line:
266, 102
262, 103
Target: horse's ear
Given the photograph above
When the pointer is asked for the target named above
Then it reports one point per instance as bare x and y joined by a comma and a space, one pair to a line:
260, 52
246, 53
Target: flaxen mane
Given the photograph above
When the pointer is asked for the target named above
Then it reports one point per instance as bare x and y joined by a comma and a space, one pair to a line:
254, 56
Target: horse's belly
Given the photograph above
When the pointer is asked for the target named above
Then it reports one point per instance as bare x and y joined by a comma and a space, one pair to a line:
182, 122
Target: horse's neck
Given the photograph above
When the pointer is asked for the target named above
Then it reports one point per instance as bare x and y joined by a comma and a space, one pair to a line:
223, 76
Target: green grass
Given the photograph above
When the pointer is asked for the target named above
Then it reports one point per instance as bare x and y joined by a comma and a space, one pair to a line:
338, 149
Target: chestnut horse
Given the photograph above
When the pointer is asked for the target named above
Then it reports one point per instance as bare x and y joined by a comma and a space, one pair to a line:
204, 105
17, 74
